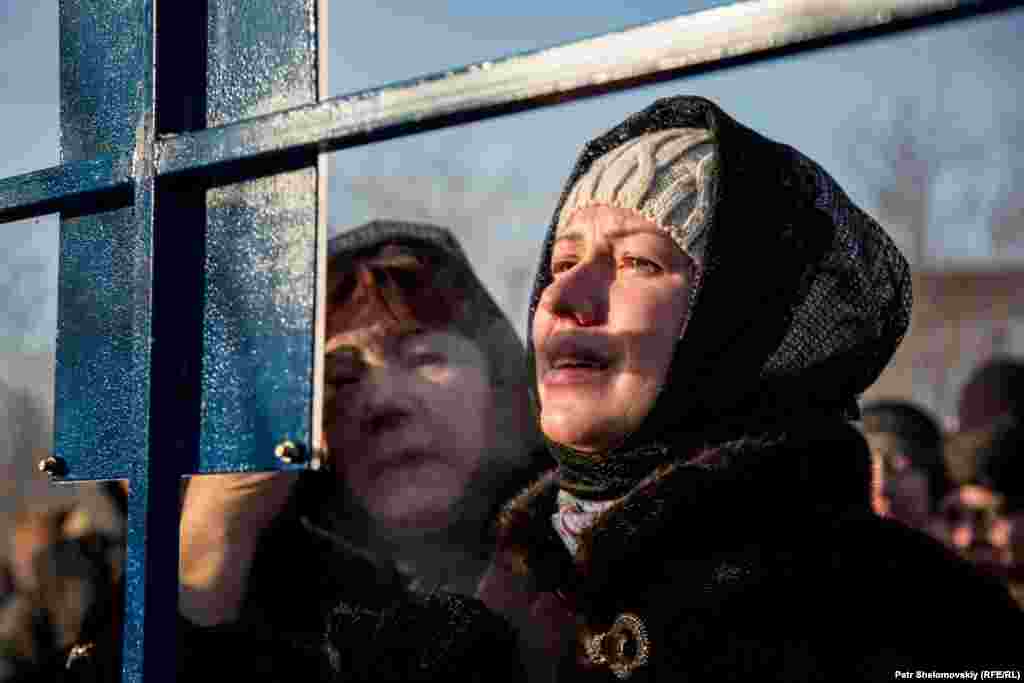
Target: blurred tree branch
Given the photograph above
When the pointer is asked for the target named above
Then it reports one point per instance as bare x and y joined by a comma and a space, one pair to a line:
906, 154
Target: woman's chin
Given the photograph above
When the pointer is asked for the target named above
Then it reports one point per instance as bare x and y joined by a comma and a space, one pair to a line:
581, 435
410, 513
595, 419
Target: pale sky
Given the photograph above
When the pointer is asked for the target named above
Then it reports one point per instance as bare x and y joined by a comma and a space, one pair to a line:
495, 182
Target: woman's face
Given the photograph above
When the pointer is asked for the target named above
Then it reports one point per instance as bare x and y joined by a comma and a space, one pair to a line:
407, 420
606, 327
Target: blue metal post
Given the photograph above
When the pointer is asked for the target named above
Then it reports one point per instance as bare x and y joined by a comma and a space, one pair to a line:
186, 318
101, 420
261, 244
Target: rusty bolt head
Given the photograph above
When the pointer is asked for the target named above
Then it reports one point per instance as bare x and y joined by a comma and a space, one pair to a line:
54, 466
290, 453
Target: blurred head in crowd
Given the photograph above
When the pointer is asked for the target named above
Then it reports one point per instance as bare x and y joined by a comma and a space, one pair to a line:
426, 409
984, 518
907, 447
34, 531
66, 570
994, 389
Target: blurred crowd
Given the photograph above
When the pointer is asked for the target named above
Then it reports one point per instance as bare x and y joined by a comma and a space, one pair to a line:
964, 487
62, 594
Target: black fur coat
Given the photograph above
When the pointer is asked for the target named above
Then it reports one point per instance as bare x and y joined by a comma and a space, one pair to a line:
757, 560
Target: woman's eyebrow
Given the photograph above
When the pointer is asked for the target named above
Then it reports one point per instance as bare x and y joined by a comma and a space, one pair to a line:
614, 234
570, 236
619, 233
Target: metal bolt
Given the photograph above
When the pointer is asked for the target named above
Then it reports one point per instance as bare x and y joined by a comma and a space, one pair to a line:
290, 453
320, 459
54, 466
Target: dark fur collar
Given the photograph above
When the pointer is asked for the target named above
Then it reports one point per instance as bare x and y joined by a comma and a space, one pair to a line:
733, 493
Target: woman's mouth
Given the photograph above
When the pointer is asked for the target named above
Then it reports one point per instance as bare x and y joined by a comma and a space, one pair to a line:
580, 369
398, 460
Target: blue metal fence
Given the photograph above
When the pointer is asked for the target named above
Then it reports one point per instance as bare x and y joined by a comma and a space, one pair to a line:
192, 231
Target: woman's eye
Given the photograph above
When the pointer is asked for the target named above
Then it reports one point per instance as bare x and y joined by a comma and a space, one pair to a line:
641, 265
426, 358
561, 265
339, 379
342, 369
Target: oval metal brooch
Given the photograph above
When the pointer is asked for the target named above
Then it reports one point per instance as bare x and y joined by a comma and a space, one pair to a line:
622, 648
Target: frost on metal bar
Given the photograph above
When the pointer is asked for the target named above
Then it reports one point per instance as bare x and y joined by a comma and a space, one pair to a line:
52, 189
260, 246
687, 43
102, 377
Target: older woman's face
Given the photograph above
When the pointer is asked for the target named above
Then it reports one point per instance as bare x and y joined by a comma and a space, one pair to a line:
407, 420
606, 327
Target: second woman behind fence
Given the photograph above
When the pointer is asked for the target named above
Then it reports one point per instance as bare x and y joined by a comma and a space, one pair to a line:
427, 420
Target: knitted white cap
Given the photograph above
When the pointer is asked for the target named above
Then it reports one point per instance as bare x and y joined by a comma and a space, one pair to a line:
661, 176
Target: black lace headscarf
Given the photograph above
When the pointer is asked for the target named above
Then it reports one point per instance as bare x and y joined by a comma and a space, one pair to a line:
803, 300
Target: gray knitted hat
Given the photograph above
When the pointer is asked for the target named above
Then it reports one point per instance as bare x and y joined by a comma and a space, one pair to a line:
659, 175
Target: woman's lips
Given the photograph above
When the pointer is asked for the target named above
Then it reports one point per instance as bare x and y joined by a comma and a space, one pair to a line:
401, 460
575, 374
576, 360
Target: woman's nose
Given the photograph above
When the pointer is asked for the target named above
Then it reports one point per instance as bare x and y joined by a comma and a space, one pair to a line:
386, 401
580, 293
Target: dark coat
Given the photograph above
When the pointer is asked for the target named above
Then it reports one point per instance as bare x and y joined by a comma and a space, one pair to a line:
757, 560
327, 612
